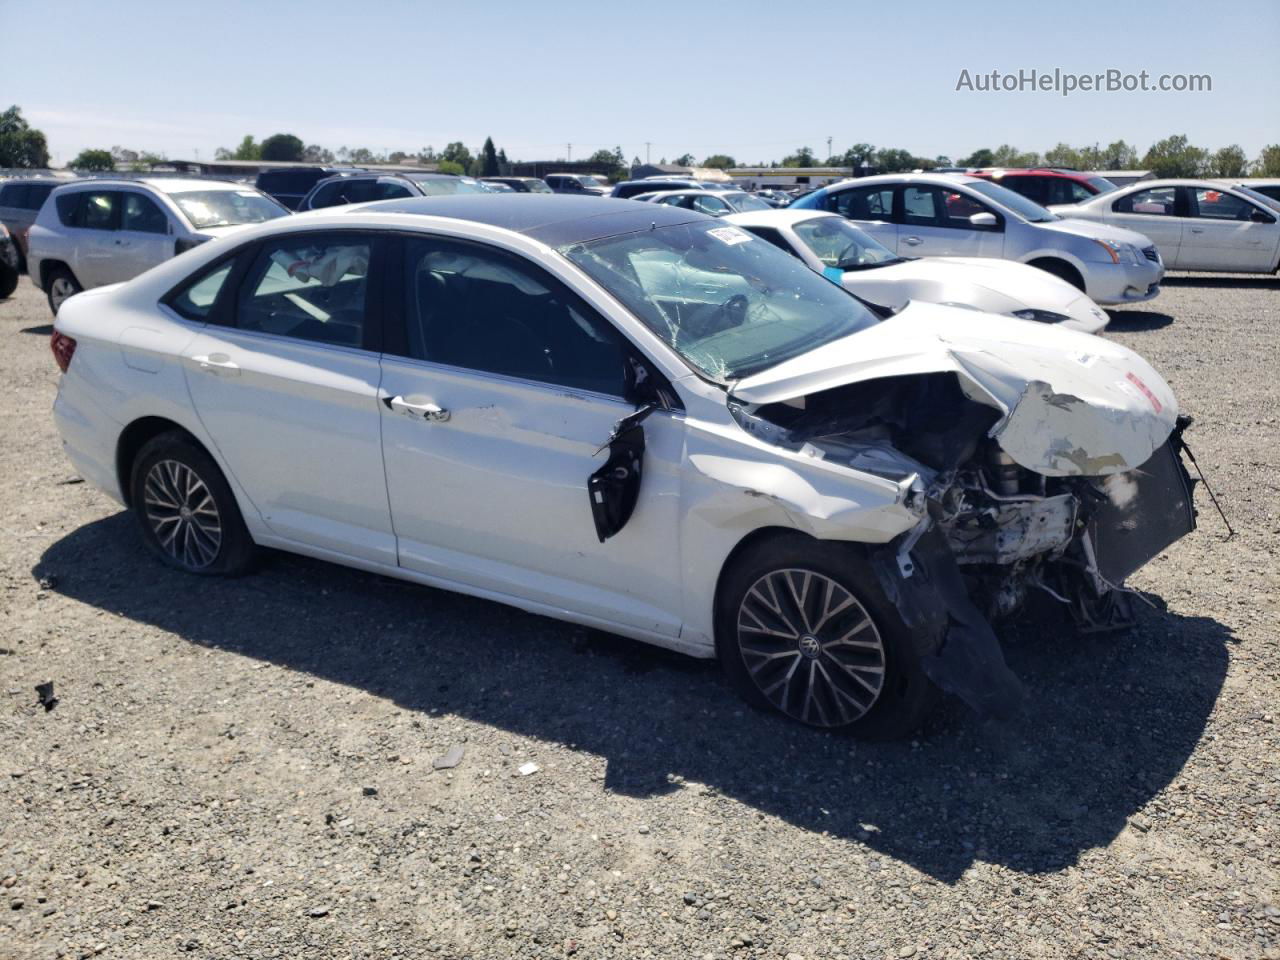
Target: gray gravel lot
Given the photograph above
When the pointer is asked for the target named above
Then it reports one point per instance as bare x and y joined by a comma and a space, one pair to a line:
245, 768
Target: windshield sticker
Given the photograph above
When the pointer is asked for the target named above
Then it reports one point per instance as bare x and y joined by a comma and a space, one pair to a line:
730, 235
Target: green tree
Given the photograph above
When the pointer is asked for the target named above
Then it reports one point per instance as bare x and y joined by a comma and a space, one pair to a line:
1175, 157
449, 166
249, 149
1063, 155
887, 160
1268, 162
96, 160
489, 159
979, 158
684, 160
1230, 162
854, 157
801, 158
281, 146
456, 153
21, 145
1007, 155
314, 153
608, 158
720, 161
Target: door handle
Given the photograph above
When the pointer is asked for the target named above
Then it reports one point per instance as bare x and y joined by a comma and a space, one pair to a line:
432, 412
217, 363
1197, 229
912, 240
123, 243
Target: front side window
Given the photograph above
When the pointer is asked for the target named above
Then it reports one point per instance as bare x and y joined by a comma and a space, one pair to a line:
329, 195
957, 208
1029, 210
536, 186
728, 302
141, 214
477, 308
226, 208
864, 203
1155, 201
312, 288
712, 206
745, 202
838, 243
1219, 205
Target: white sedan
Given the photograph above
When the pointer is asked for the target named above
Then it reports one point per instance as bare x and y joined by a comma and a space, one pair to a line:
1197, 224
844, 254
713, 203
636, 418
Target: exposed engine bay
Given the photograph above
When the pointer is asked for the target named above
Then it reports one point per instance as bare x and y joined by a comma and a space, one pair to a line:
990, 531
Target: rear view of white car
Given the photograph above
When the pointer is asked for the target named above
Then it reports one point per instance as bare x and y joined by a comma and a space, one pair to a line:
841, 252
93, 232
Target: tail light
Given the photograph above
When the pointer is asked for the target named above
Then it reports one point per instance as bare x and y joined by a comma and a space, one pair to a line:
63, 348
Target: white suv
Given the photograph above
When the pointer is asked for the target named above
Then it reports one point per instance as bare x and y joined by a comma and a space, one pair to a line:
94, 232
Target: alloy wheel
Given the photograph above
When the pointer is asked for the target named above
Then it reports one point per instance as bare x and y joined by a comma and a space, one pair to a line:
810, 647
59, 291
182, 514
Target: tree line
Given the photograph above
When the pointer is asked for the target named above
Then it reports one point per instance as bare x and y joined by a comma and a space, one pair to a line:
23, 146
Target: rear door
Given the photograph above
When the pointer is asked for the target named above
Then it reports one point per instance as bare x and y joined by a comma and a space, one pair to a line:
869, 207
286, 382
1155, 212
145, 237
95, 253
1221, 233
497, 405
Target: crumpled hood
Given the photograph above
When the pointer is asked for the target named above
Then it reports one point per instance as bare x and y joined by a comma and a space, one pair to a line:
1096, 231
1071, 404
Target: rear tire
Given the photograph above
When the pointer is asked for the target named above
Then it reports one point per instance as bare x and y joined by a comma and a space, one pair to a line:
8, 281
61, 284
803, 628
186, 510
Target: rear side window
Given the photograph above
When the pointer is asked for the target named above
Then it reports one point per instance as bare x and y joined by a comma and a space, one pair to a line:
476, 308
12, 195
312, 288
195, 301
330, 195
37, 194
90, 209
67, 204
864, 203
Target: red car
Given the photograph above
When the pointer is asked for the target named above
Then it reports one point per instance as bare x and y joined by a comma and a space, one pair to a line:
1045, 185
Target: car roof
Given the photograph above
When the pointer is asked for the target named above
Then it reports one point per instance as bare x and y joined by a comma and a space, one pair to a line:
777, 218
999, 173
162, 184
553, 219
889, 178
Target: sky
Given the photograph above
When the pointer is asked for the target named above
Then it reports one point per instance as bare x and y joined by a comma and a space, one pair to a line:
755, 80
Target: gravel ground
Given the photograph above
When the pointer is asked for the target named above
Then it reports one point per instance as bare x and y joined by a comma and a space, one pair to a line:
246, 768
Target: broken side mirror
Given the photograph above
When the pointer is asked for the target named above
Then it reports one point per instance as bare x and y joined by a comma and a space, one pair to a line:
615, 487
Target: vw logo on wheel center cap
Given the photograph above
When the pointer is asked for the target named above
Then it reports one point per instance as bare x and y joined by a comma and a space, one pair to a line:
810, 646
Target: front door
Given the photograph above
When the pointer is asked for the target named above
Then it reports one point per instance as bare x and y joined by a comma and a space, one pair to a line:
287, 387
1221, 234
495, 408
935, 223
144, 239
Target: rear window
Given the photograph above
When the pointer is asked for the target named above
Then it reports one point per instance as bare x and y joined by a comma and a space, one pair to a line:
11, 194
288, 181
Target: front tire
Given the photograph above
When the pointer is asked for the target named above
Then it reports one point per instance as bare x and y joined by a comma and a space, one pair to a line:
803, 628
186, 510
8, 281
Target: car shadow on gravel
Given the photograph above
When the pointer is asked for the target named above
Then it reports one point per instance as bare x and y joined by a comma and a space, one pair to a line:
1137, 321
43, 330
1109, 722
1235, 282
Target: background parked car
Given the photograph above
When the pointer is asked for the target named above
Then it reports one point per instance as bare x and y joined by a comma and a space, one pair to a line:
1268, 188
580, 184
831, 245
633, 188
362, 188
520, 184
952, 215
20, 201
713, 203
290, 184
1046, 186
8, 263
94, 232
1198, 224
775, 198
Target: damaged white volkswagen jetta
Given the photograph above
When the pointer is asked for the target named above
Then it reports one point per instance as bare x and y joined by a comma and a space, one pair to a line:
633, 417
